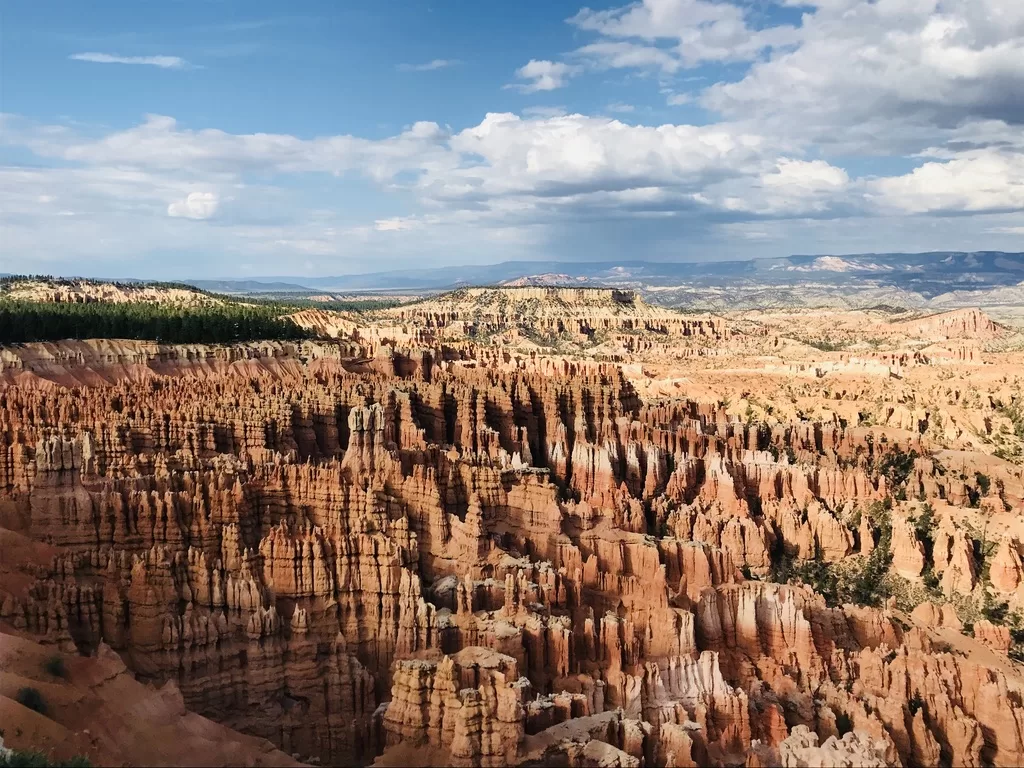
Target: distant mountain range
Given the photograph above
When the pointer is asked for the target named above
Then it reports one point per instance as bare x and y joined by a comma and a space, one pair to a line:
940, 280
937, 281
247, 286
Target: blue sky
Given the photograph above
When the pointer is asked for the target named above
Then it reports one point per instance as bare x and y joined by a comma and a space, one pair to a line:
214, 138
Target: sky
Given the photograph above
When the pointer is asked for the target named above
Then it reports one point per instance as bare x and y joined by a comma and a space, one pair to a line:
235, 139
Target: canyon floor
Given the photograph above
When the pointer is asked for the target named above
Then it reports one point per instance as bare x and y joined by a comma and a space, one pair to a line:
520, 526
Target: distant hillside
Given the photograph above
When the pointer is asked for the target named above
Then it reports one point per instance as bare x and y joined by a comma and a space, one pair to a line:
84, 291
934, 282
248, 286
929, 274
41, 308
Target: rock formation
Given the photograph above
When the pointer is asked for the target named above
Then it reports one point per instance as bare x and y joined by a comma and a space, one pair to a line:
408, 547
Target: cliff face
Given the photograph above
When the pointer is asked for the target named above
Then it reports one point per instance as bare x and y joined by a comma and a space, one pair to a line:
958, 324
578, 313
94, 708
420, 560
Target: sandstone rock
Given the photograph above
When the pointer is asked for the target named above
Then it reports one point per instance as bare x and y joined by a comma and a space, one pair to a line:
1006, 571
412, 548
928, 614
801, 750
995, 637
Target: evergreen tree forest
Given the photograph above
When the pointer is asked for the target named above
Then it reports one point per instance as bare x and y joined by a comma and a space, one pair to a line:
25, 321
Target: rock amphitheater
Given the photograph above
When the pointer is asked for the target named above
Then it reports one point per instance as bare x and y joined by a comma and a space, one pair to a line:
419, 544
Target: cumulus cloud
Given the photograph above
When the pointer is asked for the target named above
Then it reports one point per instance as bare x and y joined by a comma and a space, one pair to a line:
887, 75
671, 34
198, 205
164, 62
861, 76
529, 182
577, 154
159, 143
792, 188
544, 75
509, 168
981, 180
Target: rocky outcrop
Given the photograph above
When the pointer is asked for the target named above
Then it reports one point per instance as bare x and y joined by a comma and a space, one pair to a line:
854, 750
97, 711
578, 312
928, 614
470, 706
994, 636
958, 324
1006, 571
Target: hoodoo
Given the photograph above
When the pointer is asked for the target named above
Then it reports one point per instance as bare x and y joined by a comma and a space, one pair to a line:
482, 530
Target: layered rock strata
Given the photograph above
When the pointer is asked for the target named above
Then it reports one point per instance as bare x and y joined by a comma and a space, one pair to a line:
423, 560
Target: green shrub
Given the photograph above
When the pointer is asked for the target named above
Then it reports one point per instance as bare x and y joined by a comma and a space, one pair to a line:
843, 724
995, 612
55, 667
897, 466
19, 759
916, 703
31, 698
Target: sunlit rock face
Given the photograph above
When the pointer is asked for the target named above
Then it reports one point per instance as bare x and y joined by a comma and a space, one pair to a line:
664, 544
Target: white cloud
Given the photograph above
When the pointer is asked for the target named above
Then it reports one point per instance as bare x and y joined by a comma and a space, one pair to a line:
396, 224
104, 219
811, 176
523, 182
887, 75
513, 170
623, 55
576, 154
676, 34
792, 188
981, 180
545, 75
428, 66
164, 62
159, 143
198, 205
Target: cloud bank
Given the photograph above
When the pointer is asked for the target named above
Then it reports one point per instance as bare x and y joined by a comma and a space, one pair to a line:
787, 159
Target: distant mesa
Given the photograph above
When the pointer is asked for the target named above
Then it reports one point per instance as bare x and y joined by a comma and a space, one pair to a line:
578, 313
547, 279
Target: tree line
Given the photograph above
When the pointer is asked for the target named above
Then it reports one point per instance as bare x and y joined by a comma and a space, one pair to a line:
26, 321
65, 282
292, 303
